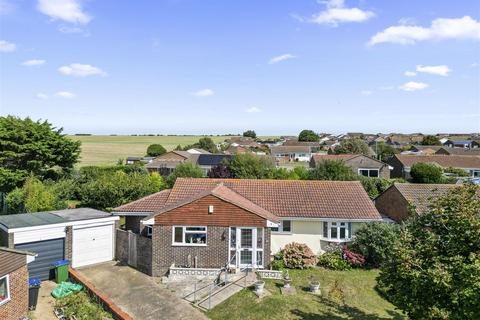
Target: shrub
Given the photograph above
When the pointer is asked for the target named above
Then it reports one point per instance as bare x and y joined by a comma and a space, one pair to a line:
155, 150
298, 256
333, 260
423, 172
353, 258
184, 170
81, 306
375, 240
332, 170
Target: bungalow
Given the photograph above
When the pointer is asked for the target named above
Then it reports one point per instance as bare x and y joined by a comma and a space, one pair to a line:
459, 151
167, 162
467, 144
423, 150
360, 164
397, 201
207, 223
292, 153
14, 283
402, 163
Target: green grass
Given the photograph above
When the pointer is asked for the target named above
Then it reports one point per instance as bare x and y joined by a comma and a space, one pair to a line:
344, 295
106, 150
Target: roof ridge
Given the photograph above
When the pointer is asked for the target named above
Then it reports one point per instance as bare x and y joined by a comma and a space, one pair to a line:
271, 180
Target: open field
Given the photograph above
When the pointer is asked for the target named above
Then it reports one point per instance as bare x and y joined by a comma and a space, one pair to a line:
344, 295
104, 150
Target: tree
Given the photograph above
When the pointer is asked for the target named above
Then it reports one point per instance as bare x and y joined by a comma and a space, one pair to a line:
250, 166
354, 146
155, 150
207, 143
332, 170
423, 172
374, 241
33, 147
308, 135
430, 140
385, 151
184, 170
250, 134
433, 270
219, 171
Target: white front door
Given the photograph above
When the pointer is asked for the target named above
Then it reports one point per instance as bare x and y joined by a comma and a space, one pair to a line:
246, 247
92, 245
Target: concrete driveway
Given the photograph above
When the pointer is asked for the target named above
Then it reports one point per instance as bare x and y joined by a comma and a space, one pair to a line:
137, 294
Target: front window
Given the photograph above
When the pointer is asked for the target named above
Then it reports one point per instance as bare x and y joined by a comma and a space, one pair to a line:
190, 236
284, 226
337, 231
476, 173
373, 173
4, 290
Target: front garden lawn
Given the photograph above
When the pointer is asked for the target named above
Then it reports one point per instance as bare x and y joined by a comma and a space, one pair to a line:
344, 295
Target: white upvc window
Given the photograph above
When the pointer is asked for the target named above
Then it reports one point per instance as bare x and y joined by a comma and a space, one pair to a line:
189, 236
149, 231
337, 231
4, 289
285, 226
367, 172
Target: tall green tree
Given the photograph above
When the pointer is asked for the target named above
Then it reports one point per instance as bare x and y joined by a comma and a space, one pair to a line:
354, 146
433, 270
384, 151
250, 134
33, 147
250, 166
332, 170
430, 140
184, 170
155, 150
423, 172
308, 135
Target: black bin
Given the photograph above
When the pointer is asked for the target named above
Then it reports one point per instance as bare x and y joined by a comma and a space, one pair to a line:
33, 288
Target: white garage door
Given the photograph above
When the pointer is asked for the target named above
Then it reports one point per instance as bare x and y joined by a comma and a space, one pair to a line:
92, 245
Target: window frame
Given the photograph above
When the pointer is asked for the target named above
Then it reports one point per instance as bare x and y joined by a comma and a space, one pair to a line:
280, 228
9, 296
337, 225
369, 169
149, 231
185, 231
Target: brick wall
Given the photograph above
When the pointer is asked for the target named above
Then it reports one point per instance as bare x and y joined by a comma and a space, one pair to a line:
68, 243
398, 169
144, 250
133, 223
367, 163
17, 307
392, 204
121, 246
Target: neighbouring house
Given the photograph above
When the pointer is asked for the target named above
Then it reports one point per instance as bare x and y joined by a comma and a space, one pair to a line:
236, 150
84, 236
136, 160
397, 139
14, 283
207, 161
423, 150
398, 201
292, 153
402, 163
360, 164
208, 223
246, 142
167, 162
467, 144
459, 151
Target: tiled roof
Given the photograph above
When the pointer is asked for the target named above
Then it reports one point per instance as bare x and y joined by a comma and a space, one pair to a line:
444, 161
290, 198
344, 157
280, 149
151, 203
420, 194
461, 151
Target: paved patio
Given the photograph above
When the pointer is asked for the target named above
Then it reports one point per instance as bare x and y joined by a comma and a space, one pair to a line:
138, 294
46, 302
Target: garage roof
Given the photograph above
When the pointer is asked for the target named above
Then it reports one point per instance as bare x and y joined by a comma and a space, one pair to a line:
23, 220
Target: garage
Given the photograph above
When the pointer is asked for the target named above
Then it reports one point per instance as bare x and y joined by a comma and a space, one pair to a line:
84, 236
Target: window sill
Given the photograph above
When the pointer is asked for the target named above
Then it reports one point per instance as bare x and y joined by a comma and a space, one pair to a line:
336, 240
282, 232
5, 301
189, 244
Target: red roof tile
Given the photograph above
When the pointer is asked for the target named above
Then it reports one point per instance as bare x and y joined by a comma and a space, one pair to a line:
445, 161
151, 203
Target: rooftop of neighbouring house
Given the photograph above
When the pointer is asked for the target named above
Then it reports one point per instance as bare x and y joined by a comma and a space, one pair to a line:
445, 161
420, 194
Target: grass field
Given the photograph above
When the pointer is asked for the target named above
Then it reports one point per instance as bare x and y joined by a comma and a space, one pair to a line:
344, 295
104, 150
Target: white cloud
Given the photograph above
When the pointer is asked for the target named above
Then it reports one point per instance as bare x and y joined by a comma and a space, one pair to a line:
6, 46
410, 73
253, 110
440, 29
33, 62
475, 64
204, 93
413, 86
366, 92
337, 13
65, 94
81, 70
66, 10
42, 96
281, 58
441, 70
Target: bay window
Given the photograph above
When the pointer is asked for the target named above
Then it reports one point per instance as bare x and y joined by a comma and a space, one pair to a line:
189, 236
337, 231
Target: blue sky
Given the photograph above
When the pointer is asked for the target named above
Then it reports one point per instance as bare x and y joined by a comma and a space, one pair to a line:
276, 66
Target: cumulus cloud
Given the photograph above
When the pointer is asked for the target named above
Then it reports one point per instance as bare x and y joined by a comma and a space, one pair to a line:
281, 58
81, 70
42, 96
439, 29
336, 13
6, 46
65, 94
66, 10
413, 86
253, 110
204, 93
410, 73
33, 62
441, 70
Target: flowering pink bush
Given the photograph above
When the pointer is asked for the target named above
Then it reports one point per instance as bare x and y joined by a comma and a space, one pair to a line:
353, 258
298, 256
